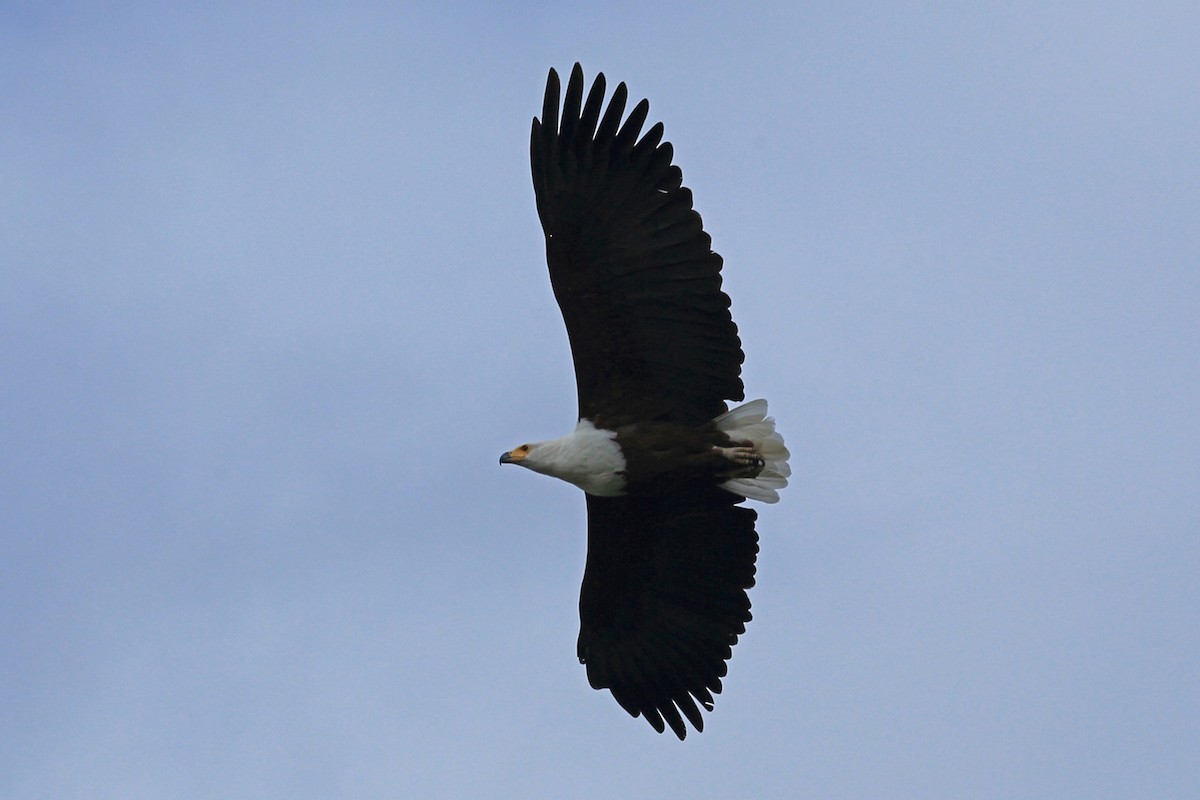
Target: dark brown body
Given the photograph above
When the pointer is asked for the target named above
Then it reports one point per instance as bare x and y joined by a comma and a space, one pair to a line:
665, 457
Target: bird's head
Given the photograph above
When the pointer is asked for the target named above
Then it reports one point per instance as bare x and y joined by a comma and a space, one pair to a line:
517, 455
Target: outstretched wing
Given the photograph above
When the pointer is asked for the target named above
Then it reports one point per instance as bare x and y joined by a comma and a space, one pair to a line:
664, 600
632, 268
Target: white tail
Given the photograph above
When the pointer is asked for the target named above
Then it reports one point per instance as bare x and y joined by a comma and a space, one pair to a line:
749, 422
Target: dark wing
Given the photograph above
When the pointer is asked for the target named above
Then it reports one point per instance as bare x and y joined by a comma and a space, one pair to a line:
632, 268
664, 600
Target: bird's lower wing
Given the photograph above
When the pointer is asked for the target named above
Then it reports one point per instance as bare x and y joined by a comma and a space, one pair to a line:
664, 600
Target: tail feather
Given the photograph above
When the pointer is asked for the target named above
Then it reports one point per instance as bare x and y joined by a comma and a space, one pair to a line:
749, 422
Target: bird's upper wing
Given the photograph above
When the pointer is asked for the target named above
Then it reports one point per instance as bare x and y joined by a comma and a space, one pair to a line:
664, 600
632, 268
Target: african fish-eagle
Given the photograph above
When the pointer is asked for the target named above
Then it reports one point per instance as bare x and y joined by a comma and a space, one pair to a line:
662, 459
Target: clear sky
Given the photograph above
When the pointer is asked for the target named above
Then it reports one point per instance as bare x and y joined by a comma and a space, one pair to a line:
273, 300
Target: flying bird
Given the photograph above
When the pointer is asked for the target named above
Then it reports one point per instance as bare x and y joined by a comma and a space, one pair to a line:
663, 460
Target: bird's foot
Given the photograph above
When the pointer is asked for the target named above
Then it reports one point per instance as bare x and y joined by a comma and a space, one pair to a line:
748, 458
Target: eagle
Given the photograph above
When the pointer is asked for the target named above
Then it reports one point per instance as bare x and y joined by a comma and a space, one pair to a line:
664, 462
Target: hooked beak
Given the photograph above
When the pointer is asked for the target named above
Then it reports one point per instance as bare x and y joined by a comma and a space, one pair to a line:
506, 458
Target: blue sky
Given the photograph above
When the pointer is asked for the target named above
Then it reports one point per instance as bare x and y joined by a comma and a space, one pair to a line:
274, 300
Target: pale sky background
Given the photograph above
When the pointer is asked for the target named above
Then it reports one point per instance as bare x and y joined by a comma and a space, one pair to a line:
273, 300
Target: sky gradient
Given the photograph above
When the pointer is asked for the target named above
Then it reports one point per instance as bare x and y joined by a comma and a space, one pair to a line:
274, 300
